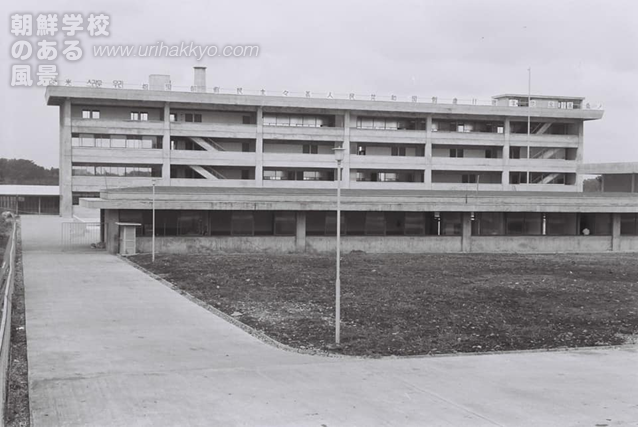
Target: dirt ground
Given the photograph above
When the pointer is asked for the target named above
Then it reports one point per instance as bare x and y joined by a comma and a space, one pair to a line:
420, 304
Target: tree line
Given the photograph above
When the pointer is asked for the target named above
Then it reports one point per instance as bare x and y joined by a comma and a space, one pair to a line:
26, 172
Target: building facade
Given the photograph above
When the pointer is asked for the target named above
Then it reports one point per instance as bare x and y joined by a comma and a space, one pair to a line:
205, 145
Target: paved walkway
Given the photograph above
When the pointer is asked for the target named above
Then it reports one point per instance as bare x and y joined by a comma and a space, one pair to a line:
110, 346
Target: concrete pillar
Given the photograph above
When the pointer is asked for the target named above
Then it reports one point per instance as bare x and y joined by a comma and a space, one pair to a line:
345, 171
66, 165
166, 146
615, 232
259, 148
466, 232
111, 232
300, 235
579, 154
427, 174
505, 177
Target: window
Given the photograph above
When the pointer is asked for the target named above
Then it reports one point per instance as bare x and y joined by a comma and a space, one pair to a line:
361, 150
518, 177
398, 151
242, 223
499, 129
246, 120
198, 118
188, 117
87, 140
103, 141
86, 114
274, 175
310, 149
172, 117
245, 174
561, 224
515, 152
456, 152
285, 223
135, 115
90, 114
245, 147
490, 153
468, 178
143, 116
95, 114
523, 223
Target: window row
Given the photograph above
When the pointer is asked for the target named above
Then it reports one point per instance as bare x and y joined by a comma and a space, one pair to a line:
212, 223
299, 175
117, 170
467, 127
116, 141
298, 120
538, 224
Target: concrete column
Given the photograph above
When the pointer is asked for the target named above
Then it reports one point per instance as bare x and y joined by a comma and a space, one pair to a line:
579, 154
427, 174
345, 171
66, 164
505, 178
259, 148
615, 232
466, 232
166, 146
111, 232
300, 236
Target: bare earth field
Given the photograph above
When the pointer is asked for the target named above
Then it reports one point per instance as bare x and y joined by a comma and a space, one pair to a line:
420, 304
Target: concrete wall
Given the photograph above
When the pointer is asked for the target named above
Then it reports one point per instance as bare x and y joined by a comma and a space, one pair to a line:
628, 244
202, 245
549, 244
387, 244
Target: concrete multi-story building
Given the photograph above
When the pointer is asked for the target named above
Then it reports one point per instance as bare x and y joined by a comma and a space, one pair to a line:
259, 165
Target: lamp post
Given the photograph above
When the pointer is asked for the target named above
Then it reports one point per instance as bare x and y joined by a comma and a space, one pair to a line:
339, 154
153, 236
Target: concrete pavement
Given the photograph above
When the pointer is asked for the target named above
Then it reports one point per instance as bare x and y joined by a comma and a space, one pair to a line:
109, 345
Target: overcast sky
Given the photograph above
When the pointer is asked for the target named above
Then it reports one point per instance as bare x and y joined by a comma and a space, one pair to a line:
445, 48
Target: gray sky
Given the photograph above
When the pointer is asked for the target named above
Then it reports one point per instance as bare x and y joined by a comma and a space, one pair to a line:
465, 49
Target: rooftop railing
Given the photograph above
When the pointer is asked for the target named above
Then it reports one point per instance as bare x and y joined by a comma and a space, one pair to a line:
120, 84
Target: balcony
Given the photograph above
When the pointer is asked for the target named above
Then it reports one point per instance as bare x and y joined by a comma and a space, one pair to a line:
520, 140
303, 133
383, 162
116, 155
209, 158
219, 130
468, 138
108, 126
466, 163
297, 160
385, 135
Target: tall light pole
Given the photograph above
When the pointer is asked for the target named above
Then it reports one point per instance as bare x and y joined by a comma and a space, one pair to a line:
529, 116
339, 154
153, 236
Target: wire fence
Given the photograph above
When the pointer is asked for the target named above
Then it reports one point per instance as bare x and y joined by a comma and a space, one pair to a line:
7, 276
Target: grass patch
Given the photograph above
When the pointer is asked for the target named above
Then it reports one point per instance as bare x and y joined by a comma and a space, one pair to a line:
420, 304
